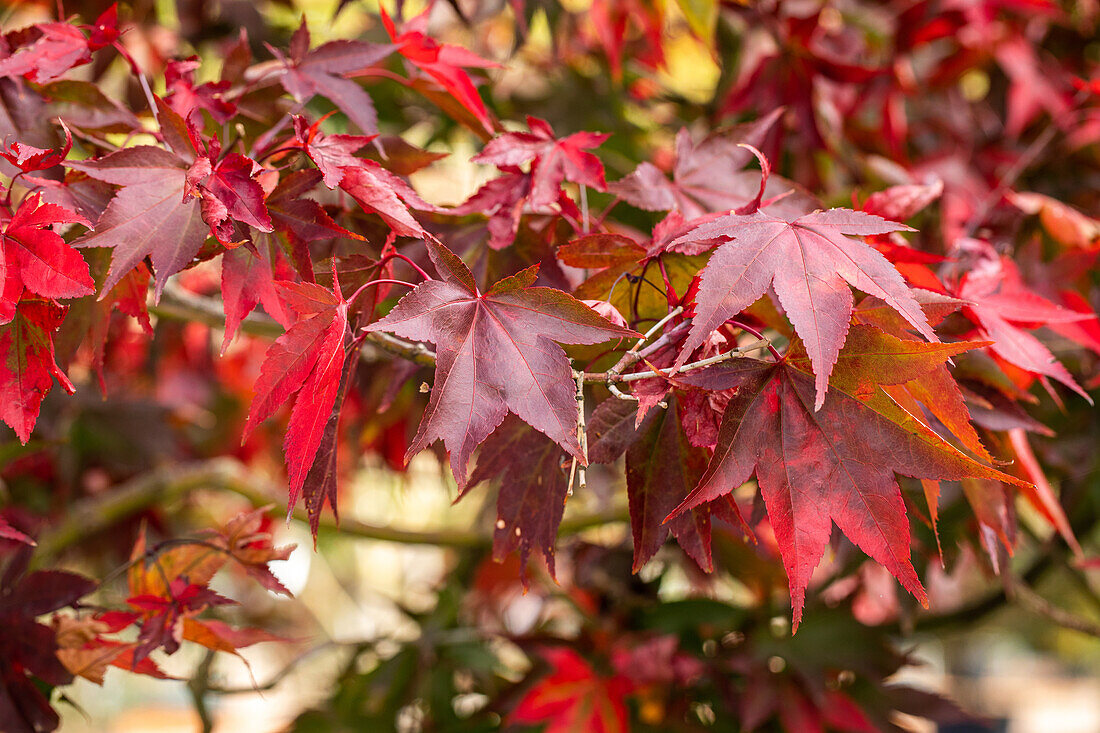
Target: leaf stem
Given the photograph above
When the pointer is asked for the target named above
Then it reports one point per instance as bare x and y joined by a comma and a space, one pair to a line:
750, 330
408, 261
381, 281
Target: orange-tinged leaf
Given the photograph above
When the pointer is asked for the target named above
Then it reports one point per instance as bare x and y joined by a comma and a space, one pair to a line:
816, 466
195, 563
221, 637
1040, 493
246, 539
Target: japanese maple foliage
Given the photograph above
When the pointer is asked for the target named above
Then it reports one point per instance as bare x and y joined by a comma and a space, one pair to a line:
663, 312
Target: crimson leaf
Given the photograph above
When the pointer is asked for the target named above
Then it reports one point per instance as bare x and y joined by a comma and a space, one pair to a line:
306, 360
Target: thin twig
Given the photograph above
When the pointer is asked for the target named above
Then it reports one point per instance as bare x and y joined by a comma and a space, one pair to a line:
633, 355
1008, 180
161, 486
198, 686
1027, 599
283, 673
178, 304
737, 353
149, 97
582, 436
584, 209
658, 326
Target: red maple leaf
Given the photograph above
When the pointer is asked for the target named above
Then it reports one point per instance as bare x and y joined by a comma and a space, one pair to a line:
162, 617
373, 187
189, 100
443, 62
9, 532
303, 220
1002, 307
573, 697
784, 63
27, 366
57, 48
379, 191
904, 201
503, 200
28, 158
128, 296
1033, 86
610, 20
104, 31
307, 361
809, 261
37, 259
330, 153
553, 160
248, 279
662, 467
495, 354
229, 192
820, 463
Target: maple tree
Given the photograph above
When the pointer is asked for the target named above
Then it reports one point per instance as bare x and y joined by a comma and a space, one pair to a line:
785, 345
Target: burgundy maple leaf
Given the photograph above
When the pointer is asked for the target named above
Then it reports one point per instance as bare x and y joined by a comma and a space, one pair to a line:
28, 648
322, 72
533, 490
149, 216
709, 176
662, 467
495, 354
